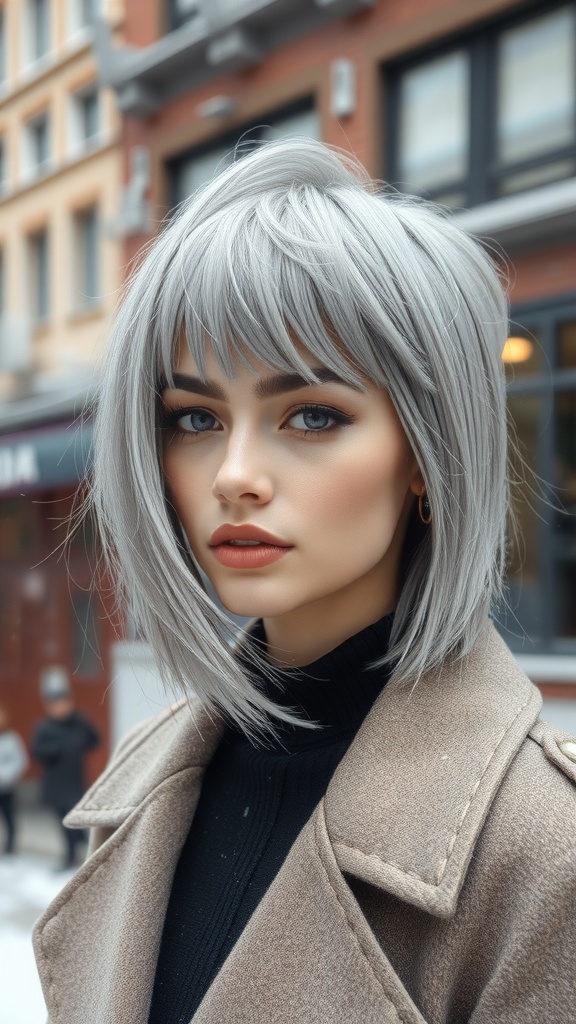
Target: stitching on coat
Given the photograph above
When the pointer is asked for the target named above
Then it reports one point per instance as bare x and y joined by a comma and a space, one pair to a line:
147, 730
503, 734
389, 863
370, 855
105, 810
352, 929
129, 808
138, 740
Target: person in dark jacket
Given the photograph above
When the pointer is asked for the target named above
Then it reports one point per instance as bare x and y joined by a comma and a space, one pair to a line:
60, 743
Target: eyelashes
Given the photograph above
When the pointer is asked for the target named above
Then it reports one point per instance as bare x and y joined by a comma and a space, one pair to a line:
204, 421
311, 413
313, 419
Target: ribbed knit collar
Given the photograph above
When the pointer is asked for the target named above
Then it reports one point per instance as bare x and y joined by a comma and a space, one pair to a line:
336, 691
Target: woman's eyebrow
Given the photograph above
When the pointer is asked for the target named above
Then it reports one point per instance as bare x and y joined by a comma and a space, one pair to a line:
265, 387
268, 387
208, 388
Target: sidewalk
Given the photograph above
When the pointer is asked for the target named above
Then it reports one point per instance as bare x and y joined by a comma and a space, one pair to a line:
38, 832
28, 883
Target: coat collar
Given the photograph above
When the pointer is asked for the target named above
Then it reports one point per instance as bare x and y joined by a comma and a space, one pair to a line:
407, 802
406, 806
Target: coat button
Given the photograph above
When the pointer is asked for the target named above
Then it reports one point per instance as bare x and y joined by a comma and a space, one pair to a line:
568, 748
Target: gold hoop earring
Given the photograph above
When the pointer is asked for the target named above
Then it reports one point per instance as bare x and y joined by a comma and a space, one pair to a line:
424, 510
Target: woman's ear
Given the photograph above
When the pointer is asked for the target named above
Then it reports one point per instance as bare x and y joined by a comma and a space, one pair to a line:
417, 485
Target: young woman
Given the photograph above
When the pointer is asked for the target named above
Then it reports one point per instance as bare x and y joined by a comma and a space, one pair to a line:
354, 813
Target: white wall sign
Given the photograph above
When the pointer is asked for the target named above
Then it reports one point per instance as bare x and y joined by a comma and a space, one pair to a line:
18, 465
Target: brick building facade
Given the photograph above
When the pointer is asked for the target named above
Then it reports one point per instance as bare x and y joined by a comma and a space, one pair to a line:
60, 271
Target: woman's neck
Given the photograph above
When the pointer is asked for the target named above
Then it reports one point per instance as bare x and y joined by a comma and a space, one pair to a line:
301, 637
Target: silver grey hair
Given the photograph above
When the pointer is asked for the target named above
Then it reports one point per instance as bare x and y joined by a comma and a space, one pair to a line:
295, 240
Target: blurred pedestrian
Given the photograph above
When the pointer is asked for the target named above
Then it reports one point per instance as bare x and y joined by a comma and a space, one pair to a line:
60, 743
13, 764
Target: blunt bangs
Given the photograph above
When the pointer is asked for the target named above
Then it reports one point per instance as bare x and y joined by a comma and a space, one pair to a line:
294, 243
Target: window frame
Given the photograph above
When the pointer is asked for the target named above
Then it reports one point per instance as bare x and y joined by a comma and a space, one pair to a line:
3, 309
32, 168
81, 260
77, 23
544, 316
30, 32
249, 133
4, 176
78, 142
3, 47
175, 20
40, 277
485, 174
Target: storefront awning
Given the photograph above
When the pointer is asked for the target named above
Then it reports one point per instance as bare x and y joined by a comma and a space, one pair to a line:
51, 456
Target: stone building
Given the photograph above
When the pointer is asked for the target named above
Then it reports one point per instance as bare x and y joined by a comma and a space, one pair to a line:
60, 271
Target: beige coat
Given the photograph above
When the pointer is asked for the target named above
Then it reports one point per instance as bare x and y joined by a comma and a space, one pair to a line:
436, 882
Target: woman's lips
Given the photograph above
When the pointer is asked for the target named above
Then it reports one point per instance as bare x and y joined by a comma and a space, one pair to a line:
244, 531
252, 556
246, 546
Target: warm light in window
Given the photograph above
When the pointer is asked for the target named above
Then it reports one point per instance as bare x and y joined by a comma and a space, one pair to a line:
517, 350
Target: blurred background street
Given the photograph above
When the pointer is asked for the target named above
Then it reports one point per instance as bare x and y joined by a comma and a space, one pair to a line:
112, 112
29, 881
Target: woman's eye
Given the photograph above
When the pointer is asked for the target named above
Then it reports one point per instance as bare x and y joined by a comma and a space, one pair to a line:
317, 419
198, 421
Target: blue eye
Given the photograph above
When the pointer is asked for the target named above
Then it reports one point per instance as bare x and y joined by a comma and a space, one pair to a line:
311, 419
198, 421
317, 419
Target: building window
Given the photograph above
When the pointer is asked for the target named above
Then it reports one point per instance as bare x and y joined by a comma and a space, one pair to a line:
89, 9
192, 169
84, 635
540, 362
84, 119
36, 146
2, 285
81, 14
36, 29
489, 115
3, 167
38, 283
3, 68
180, 12
86, 257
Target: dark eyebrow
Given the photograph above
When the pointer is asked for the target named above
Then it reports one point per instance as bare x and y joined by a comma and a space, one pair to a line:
265, 387
207, 388
268, 387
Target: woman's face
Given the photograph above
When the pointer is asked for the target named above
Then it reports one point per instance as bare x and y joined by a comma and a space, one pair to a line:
325, 470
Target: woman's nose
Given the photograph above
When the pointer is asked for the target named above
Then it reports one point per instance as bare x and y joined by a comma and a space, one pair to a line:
243, 475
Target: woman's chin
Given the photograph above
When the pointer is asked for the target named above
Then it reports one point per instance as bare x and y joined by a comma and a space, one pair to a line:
254, 607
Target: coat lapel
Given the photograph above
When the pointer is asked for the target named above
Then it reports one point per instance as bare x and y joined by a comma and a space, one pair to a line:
403, 813
307, 955
97, 944
406, 804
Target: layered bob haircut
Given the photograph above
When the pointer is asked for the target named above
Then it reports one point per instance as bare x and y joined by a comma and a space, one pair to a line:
295, 241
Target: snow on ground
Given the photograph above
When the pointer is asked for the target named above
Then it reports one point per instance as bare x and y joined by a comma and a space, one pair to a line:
27, 885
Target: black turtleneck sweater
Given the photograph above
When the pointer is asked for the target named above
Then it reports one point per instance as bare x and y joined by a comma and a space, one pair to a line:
254, 801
